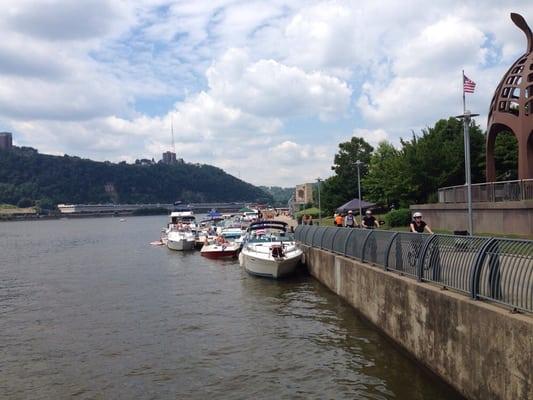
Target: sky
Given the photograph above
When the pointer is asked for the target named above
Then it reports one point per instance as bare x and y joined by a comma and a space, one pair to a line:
265, 90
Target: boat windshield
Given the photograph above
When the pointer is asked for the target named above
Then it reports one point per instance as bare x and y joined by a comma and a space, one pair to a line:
273, 236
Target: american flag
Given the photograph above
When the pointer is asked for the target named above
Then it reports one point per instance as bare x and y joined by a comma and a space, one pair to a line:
468, 85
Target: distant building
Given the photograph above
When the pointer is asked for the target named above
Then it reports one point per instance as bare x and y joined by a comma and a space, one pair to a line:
6, 140
303, 194
169, 158
144, 161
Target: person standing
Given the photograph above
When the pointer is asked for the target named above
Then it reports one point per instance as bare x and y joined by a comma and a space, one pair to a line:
339, 219
418, 225
369, 221
349, 220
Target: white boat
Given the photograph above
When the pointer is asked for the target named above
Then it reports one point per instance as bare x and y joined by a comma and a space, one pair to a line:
180, 239
180, 232
269, 250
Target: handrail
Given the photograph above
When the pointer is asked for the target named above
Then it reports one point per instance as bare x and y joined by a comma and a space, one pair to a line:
495, 269
515, 190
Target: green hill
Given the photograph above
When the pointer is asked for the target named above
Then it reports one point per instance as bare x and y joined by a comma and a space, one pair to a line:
26, 174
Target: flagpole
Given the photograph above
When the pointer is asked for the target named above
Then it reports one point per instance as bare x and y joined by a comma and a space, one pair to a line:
464, 99
468, 181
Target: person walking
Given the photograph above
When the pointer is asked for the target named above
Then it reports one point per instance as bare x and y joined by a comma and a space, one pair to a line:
349, 220
369, 221
418, 225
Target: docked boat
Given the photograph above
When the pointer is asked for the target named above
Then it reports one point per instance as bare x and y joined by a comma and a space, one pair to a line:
181, 231
180, 239
269, 250
222, 249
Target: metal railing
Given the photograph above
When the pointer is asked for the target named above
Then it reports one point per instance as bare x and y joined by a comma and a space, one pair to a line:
495, 269
489, 192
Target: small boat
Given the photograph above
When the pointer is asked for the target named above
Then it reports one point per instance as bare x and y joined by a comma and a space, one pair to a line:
269, 250
221, 250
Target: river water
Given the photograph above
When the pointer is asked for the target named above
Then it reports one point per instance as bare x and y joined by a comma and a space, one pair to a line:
89, 310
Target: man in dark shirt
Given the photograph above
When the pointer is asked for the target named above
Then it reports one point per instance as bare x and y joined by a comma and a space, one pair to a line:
369, 221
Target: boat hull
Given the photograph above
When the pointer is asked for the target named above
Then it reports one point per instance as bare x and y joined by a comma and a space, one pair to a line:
217, 251
270, 268
180, 245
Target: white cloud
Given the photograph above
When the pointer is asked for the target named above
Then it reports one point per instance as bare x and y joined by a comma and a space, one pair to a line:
269, 88
102, 78
372, 136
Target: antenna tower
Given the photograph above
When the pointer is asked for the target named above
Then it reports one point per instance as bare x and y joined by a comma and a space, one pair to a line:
172, 132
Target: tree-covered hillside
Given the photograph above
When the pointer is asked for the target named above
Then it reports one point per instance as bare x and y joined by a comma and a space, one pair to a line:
280, 195
25, 174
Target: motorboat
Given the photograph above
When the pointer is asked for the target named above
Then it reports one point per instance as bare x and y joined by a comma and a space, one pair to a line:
180, 239
220, 249
181, 231
269, 250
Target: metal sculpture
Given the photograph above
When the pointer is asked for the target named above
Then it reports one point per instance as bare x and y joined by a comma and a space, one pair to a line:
511, 109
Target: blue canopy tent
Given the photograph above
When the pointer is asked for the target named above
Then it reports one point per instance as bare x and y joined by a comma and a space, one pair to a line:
354, 206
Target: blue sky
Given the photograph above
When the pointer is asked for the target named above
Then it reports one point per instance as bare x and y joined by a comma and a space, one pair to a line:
264, 90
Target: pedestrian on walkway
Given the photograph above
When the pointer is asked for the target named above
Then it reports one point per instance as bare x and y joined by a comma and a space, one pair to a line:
349, 220
339, 219
369, 221
418, 225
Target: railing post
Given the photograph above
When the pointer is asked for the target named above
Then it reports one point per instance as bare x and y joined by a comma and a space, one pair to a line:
370, 232
315, 228
347, 240
478, 264
333, 239
422, 256
389, 246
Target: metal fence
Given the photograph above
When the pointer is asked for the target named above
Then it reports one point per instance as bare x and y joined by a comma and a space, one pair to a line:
489, 192
495, 269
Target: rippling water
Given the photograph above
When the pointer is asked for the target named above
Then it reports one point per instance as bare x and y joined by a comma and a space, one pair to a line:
89, 310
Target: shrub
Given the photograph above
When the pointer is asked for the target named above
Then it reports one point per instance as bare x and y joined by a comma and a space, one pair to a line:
24, 203
401, 217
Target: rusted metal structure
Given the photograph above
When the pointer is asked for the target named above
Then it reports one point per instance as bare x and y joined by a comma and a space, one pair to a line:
511, 109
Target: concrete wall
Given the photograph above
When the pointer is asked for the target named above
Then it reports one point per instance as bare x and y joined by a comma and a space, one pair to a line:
511, 217
482, 350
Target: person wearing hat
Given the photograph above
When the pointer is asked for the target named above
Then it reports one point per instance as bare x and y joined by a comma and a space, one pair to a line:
369, 221
349, 220
418, 225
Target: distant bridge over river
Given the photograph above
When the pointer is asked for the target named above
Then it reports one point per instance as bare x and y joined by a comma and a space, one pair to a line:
130, 208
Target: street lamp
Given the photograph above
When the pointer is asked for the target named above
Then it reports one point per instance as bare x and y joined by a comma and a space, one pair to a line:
358, 165
466, 117
319, 207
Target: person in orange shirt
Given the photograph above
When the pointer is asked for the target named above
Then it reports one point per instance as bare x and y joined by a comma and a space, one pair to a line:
339, 219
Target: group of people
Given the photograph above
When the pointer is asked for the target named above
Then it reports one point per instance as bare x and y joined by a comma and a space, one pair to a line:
370, 222
349, 220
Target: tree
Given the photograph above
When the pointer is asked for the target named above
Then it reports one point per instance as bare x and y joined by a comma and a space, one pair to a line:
506, 156
342, 187
436, 159
388, 180
24, 203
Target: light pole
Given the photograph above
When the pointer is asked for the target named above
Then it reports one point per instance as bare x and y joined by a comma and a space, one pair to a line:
319, 207
466, 117
358, 165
